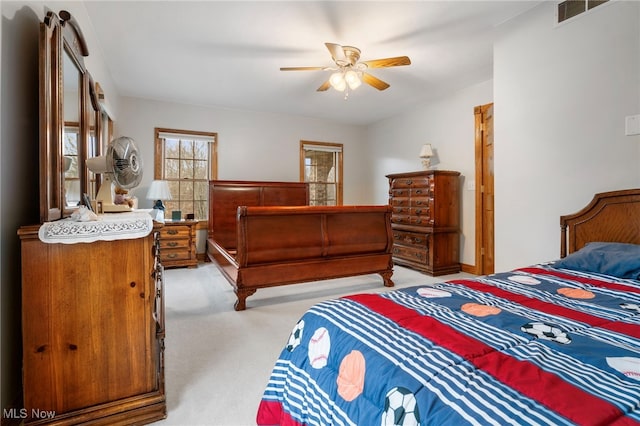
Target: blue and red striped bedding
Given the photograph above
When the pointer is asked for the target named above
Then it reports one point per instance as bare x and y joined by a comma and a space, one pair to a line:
536, 345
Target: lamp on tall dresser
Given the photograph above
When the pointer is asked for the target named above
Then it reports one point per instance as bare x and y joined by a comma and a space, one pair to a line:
425, 154
158, 190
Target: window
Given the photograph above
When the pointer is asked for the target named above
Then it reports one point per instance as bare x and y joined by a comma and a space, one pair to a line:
321, 166
570, 8
187, 160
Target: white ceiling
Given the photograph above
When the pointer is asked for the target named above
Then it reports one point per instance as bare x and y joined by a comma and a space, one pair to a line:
229, 54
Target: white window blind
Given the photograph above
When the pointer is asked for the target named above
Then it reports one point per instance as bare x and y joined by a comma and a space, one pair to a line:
323, 148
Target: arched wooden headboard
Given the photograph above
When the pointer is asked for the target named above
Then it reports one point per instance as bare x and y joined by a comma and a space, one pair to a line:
611, 217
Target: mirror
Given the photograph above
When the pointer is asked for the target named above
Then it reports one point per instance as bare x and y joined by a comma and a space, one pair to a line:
72, 86
71, 120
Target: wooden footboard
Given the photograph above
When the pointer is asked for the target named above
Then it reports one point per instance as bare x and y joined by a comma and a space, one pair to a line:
286, 245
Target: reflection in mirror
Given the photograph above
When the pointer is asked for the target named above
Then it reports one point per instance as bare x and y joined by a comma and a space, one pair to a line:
71, 131
93, 138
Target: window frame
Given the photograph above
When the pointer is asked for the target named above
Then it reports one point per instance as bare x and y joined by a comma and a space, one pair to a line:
335, 147
158, 169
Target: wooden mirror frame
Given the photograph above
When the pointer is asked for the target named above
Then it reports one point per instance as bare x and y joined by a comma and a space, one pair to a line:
61, 36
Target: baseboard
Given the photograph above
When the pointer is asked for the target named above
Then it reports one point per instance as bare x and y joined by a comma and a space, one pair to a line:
469, 269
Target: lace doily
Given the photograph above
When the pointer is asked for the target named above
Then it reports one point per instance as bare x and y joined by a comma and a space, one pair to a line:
108, 227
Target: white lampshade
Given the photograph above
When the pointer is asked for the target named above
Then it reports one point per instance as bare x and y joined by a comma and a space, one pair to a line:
426, 151
159, 190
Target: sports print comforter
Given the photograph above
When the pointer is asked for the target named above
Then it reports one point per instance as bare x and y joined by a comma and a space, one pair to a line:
536, 345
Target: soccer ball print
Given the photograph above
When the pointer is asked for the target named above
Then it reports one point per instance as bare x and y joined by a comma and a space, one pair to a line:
400, 408
296, 336
546, 331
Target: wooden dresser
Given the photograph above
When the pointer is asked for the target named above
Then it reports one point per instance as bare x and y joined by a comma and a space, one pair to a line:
426, 220
93, 331
178, 244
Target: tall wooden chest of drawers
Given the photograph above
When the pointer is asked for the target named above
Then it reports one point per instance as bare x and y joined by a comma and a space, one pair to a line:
426, 220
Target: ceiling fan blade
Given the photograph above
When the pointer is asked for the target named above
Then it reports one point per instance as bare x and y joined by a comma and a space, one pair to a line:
374, 81
337, 52
302, 68
325, 86
388, 62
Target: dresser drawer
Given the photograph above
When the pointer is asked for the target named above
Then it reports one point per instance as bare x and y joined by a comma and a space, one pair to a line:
400, 219
175, 232
412, 254
400, 201
408, 219
410, 238
412, 182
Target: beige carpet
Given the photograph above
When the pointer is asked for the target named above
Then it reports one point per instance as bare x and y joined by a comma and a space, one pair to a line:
217, 360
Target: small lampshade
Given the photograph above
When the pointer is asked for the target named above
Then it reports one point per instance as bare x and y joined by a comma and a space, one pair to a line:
337, 81
352, 79
159, 190
426, 151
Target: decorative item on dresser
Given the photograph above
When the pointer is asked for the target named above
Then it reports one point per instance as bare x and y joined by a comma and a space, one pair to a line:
178, 243
93, 321
426, 220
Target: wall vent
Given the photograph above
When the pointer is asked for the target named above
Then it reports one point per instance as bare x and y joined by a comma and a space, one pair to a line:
570, 8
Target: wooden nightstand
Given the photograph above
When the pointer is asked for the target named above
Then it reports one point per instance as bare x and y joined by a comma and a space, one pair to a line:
178, 244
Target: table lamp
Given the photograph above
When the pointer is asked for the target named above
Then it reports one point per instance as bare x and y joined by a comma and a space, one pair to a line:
158, 191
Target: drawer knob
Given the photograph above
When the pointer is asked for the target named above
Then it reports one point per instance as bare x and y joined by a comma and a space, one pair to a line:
172, 231
172, 243
172, 255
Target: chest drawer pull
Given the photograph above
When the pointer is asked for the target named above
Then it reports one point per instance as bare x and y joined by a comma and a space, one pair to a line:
172, 231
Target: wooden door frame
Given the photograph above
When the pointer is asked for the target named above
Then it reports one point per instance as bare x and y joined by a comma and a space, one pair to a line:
480, 180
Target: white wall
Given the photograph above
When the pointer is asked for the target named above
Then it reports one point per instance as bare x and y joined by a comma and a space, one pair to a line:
561, 97
448, 124
251, 145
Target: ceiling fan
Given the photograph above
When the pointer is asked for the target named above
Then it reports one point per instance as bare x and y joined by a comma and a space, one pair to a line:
350, 71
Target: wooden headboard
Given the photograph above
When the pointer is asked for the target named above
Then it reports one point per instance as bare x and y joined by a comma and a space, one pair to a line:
610, 217
225, 196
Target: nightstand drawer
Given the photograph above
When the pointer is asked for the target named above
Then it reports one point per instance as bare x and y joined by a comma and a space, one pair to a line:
173, 255
175, 231
175, 244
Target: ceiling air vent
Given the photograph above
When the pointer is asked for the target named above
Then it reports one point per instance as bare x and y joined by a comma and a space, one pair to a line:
570, 8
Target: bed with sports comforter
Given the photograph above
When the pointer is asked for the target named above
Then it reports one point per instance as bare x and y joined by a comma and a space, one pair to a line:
555, 343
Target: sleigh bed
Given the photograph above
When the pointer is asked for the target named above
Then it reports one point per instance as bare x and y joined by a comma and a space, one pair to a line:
554, 343
264, 234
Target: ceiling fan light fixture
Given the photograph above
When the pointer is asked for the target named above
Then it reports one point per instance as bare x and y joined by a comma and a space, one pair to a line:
352, 79
337, 81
